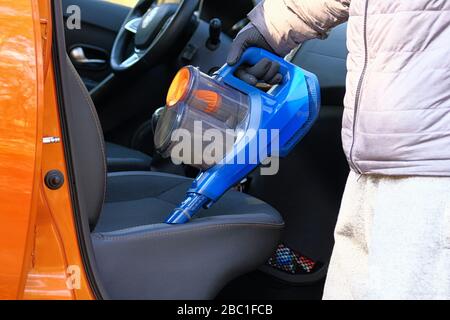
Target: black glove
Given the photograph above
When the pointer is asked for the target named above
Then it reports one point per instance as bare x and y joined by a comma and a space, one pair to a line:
265, 70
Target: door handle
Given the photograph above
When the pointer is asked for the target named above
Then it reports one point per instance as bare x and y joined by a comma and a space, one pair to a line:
78, 56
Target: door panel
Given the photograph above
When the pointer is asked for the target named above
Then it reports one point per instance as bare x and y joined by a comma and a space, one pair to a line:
124, 103
100, 22
307, 190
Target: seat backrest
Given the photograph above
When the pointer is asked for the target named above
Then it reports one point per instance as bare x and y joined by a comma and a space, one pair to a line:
86, 143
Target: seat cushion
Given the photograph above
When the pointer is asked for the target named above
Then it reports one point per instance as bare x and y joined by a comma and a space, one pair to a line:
120, 158
137, 198
190, 261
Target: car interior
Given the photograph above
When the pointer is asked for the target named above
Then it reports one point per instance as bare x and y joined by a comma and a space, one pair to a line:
113, 74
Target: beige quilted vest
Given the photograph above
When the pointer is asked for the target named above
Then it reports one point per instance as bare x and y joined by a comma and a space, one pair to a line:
397, 107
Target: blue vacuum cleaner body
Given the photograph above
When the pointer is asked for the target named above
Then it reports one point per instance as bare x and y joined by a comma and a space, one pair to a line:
285, 113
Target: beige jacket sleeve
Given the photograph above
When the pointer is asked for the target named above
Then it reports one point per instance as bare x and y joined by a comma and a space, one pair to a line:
287, 23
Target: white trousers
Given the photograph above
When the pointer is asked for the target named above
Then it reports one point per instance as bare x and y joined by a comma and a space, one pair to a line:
392, 239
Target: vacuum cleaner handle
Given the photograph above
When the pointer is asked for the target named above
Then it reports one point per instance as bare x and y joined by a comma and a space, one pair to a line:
252, 56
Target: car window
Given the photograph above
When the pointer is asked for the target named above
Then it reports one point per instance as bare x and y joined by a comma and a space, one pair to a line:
132, 3
127, 3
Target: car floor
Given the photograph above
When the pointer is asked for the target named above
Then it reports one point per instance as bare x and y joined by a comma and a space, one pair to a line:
260, 286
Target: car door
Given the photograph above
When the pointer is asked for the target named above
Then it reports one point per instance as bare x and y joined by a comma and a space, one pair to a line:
21, 112
308, 187
124, 104
90, 38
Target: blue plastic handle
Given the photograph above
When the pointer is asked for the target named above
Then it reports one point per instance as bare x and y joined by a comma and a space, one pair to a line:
251, 57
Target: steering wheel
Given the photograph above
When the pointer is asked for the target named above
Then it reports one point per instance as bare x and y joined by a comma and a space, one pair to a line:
148, 34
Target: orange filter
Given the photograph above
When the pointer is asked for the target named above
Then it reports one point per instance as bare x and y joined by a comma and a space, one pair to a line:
210, 99
179, 87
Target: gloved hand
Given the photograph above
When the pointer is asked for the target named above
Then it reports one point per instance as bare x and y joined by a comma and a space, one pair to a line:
265, 70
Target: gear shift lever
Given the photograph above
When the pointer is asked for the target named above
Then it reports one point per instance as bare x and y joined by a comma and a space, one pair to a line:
215, 30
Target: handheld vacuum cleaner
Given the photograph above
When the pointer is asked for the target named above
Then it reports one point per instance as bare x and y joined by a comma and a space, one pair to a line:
232, 116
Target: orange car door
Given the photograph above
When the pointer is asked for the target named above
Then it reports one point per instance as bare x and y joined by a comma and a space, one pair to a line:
21, 88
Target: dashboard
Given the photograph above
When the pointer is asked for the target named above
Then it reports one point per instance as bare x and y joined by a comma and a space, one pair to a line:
232, 13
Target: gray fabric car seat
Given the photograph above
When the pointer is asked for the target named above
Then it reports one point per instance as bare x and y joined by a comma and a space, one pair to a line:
120, 158
137, 255
140, 257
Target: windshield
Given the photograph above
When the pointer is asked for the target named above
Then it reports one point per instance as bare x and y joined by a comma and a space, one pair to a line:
132, 3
